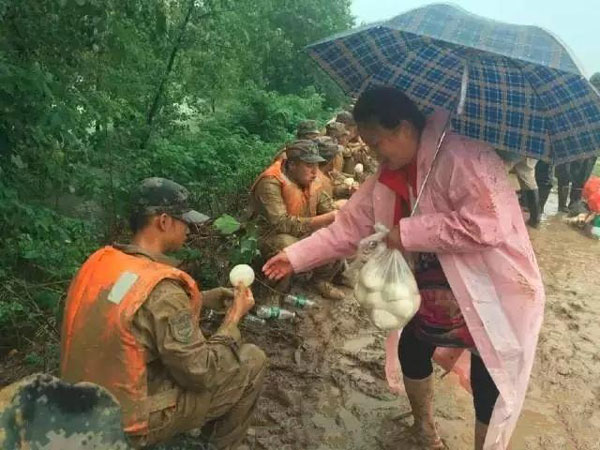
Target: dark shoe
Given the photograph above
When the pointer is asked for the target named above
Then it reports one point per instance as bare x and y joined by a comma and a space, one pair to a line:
533, 202
577, 208
563, 195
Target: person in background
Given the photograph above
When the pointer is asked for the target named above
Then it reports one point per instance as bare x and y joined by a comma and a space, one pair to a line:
571, 178
524, 169
543, 178
307, 130
332, 179
341, 135
290, 204
361, 154
131, 325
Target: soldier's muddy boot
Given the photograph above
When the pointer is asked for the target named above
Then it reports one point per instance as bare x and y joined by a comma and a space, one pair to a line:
328, 290
420, 396
563, 195
480, 434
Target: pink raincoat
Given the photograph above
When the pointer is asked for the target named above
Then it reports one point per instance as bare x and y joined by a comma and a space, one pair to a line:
470, 217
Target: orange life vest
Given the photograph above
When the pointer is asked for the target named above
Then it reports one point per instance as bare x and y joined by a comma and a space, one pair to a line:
97, 344
298, 202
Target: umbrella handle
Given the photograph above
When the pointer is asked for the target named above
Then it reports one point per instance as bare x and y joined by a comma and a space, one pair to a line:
459, 110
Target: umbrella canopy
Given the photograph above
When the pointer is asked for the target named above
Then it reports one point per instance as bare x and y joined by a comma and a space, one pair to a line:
524, 93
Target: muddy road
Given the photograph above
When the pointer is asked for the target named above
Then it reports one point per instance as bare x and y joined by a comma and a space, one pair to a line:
326, 388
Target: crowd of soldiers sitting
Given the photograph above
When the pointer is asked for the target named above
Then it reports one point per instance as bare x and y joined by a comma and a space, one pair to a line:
304, 186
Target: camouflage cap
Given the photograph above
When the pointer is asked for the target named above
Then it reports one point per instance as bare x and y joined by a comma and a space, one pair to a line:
337, 130
159, 195
328, 148
307, 127
346, 118
304, 150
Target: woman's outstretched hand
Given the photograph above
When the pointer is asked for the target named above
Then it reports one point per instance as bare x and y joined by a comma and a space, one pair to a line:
278, 267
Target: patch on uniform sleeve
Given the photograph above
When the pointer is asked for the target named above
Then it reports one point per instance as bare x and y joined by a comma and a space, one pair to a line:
182, 326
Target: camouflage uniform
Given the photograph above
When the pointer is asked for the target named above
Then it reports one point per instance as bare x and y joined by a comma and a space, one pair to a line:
336, 187
277, 228
216, 381
41, 411
307, 129
359, 152
337, 131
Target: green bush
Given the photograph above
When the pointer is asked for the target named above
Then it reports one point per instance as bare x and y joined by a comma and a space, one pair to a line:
97, 95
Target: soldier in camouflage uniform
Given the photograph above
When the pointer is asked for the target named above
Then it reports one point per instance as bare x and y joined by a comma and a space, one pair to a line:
307, 130
131, 325
332, 179
357, 150
290, 204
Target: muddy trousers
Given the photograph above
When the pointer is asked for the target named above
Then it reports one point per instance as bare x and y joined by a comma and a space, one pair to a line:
223, 413
415, 359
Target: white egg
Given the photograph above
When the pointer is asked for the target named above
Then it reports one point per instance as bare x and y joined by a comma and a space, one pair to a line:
384, 320
416, 301
359, 169
411, 284
373, 300
402, 309
396, 291
371, 279
241, 274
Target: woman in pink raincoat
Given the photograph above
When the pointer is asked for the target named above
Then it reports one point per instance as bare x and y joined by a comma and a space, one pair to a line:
478, 277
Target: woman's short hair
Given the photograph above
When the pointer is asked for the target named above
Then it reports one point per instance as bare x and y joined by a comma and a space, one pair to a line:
387, 106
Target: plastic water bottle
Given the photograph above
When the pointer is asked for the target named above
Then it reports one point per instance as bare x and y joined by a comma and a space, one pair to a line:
253, 320
272, 312
299, 301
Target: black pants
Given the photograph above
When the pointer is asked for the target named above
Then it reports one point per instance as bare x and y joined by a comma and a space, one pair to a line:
415, 360
543, 174
577, 172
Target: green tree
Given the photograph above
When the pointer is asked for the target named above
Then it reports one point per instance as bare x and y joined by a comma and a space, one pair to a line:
97, 94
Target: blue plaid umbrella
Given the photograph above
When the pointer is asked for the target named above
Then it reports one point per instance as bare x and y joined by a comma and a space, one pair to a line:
524, 92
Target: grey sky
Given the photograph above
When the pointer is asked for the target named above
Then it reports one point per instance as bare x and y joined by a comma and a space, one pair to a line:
575, 22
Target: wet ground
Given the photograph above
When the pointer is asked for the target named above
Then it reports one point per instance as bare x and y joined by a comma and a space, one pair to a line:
326, 386
326, 389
